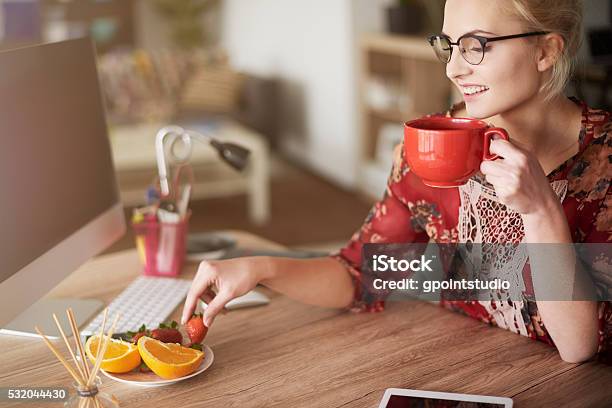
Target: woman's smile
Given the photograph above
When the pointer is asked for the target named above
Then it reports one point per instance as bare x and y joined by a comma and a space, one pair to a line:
472, 92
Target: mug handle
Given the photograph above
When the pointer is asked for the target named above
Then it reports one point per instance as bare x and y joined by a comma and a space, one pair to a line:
488, 135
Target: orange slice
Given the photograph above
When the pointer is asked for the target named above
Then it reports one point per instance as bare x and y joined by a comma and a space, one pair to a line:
169, 360
120, 356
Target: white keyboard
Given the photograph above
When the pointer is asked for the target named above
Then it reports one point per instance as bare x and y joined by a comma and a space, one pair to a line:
148, 300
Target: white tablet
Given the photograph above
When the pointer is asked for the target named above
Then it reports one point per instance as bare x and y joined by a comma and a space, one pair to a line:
402, 398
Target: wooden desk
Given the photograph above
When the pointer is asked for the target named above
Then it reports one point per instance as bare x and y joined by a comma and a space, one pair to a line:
291, 355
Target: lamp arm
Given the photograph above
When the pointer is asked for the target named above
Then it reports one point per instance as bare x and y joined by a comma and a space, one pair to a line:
173, 132
202, 137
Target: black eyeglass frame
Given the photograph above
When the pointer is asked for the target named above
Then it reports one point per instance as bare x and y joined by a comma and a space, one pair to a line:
482, 40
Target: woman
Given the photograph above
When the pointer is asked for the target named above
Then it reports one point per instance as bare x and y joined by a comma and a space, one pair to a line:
550, 185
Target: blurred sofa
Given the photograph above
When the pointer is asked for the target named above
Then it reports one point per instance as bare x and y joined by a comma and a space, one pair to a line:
166, 85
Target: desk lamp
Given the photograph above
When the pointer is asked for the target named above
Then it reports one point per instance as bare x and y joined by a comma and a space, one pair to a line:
234, 155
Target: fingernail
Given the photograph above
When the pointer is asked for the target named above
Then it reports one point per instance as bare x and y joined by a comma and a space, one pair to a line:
183, 320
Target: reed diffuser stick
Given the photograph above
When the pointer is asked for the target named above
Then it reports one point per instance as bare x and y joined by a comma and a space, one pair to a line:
96, 402
100, 355
73, 373
77, 339
76, 362
102, 331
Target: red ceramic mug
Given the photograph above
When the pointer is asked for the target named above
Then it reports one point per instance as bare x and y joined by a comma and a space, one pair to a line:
445, 151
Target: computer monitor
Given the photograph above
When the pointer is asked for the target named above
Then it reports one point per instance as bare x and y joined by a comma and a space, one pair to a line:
59, 204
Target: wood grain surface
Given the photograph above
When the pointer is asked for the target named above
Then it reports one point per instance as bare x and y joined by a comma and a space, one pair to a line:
287, 354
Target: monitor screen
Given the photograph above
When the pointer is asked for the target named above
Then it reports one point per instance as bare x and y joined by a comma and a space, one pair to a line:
56, 170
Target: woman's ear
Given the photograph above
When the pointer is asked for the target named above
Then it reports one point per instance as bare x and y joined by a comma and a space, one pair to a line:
550, 49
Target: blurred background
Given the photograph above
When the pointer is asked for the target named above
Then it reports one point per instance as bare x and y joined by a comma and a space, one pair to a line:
317, 90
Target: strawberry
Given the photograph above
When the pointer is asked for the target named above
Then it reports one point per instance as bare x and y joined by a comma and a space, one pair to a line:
137, 336
195, 329
142, 331
167, 335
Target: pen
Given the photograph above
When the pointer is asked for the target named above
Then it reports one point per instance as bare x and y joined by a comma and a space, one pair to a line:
168, 231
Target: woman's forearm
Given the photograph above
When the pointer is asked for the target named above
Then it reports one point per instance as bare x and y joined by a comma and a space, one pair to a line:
573, 325
320, 281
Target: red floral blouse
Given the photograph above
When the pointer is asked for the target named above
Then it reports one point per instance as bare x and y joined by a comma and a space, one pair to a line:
411, 212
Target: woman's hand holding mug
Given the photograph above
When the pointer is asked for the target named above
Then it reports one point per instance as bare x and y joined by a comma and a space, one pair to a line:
518, 179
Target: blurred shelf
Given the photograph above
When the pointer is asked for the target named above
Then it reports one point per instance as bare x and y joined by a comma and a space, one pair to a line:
400, 46
387, 62
391, 115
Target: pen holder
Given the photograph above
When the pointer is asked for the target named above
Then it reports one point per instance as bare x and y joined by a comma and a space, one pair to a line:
161, 245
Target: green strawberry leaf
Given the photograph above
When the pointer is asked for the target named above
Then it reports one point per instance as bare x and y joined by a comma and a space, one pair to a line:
196, 346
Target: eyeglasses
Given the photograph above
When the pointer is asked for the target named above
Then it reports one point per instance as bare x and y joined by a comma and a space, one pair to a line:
471, 46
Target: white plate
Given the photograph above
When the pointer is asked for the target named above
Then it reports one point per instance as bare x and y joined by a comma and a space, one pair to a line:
150, 379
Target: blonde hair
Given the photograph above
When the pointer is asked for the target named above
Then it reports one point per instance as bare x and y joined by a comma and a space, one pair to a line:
563, 17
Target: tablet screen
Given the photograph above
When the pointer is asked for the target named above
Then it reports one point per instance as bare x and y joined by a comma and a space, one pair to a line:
405, 401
